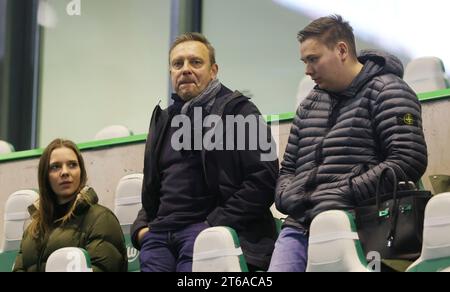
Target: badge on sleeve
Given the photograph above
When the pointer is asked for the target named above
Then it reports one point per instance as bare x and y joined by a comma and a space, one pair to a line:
407, 120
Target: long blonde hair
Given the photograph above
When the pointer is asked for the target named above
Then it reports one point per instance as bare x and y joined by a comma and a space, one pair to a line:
42, 219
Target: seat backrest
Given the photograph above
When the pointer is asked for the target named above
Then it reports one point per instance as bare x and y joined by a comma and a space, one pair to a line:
277, 214
69, 259
16, 218
334, 244
6, 147
7, 260
127, 206
435, 255
115, 131
426, 74
278, 217
217, 249
304, 88
128, 199
440, 183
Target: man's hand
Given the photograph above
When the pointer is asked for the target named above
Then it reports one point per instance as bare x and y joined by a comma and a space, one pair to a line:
141, 234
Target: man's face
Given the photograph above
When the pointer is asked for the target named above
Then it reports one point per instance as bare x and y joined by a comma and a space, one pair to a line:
190, 69
324, 65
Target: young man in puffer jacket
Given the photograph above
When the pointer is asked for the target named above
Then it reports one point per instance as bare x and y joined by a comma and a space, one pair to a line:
360, 118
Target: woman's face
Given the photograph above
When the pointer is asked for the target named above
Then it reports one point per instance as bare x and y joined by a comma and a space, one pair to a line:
64, 174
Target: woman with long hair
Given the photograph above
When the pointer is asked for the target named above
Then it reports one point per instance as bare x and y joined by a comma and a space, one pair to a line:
68, 215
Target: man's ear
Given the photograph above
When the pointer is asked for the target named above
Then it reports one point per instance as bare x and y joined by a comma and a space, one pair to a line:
214, 71
342, 48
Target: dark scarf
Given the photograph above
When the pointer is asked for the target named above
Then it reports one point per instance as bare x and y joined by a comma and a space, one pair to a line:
205, 99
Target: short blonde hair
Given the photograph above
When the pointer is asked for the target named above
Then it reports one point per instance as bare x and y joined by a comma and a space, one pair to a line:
197, 37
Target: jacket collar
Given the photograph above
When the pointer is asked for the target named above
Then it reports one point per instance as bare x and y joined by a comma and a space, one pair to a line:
375, 63
85, 198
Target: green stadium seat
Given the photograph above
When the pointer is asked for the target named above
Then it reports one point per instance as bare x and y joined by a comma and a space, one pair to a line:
127, 206
334, 244
440, 183
426, 74
7, 260
435, 255
17, 219
217, 249
69, 259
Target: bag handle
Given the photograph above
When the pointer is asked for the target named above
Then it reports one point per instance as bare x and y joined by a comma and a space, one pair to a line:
408, 185
381, 180
391, 234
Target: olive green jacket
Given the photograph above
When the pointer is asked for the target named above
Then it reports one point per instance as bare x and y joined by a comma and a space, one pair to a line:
92, 227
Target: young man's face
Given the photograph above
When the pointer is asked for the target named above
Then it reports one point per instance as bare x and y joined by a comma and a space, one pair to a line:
190, 69
324, 65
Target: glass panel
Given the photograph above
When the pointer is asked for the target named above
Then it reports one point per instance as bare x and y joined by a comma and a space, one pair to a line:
104, 67
3, 104
258, 52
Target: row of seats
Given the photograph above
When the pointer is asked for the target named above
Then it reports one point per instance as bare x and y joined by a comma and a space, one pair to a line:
334, 241
16, 219
424, 74
334, 244
110, 132
127, 204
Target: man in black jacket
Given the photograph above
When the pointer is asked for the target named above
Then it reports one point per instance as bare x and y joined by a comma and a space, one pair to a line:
359, 119
189, 186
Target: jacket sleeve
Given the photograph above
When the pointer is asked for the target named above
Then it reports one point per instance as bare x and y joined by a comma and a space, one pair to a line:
18, 264
140, 222
149, 201
288, 166
106, 245
397, 126
253, 198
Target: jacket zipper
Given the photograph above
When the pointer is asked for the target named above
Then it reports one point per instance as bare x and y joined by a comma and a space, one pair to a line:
203, 150
310, 184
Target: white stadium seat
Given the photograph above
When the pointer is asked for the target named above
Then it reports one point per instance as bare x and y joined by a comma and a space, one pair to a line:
426, 74
334, 244
435, 255
111, 132
440, 183
6, 147
128, 199
217, 249
127, 205
69, 259
304, 88
17, 218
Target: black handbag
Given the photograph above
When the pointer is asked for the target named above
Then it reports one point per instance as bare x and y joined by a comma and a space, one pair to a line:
392, 224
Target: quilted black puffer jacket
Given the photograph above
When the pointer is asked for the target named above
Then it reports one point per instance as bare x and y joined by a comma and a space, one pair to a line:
339, 143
